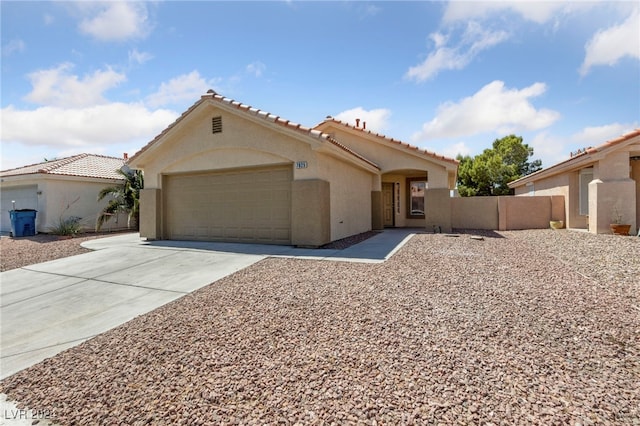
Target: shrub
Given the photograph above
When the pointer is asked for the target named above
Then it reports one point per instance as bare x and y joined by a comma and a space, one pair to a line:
68, 226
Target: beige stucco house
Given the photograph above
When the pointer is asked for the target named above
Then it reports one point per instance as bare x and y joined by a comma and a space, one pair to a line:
225, 171
61, 188
598, 184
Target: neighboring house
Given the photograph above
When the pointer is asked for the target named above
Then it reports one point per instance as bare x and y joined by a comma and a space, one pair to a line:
598, 184
225, 171
59, 189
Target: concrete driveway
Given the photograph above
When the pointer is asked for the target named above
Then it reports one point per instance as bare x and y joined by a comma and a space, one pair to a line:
52, 306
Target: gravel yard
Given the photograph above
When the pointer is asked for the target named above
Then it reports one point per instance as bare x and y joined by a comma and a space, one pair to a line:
522, 327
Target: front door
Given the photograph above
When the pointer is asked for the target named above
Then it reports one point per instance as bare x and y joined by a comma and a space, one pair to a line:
387, 205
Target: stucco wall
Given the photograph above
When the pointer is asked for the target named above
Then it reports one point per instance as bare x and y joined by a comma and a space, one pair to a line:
191, 146
310, 213
566, 185
438, 209
474, 212
61, 197
529, 212
390, 158
350, 197
506, 213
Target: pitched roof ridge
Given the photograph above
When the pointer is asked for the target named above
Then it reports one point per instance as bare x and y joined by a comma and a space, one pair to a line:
265, 115
349, 150
591, 150
291, 125
51, 164
390, 139
83, 165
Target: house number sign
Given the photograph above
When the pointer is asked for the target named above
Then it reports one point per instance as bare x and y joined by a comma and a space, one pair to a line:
301, 164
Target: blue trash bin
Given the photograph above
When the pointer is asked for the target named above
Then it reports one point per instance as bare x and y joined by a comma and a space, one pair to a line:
23, 222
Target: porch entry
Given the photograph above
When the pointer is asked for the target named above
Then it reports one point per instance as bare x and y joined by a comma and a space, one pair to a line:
388, 207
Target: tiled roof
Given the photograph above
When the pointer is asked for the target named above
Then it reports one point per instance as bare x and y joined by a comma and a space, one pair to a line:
575, 159
272, 118
392, 140
83, 165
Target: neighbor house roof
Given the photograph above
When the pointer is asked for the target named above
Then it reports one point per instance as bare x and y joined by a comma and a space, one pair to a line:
83, 165
400, 144
272, 118
582, 158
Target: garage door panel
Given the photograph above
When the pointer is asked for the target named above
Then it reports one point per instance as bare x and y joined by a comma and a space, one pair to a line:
240, 206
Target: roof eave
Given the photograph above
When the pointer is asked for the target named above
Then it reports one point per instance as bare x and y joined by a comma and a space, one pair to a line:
588, 157
448, 163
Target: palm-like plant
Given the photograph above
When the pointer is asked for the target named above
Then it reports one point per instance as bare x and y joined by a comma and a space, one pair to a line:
126, 198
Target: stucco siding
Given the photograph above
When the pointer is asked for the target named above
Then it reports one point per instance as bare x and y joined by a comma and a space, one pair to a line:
192, 147
391, 158
350, 196
61, 197
474, 212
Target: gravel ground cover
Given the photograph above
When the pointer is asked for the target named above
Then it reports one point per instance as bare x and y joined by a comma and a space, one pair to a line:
24, 251
522, 327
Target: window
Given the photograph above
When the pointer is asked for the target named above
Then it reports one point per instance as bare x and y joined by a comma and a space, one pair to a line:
586, 176
216, 125
415, 197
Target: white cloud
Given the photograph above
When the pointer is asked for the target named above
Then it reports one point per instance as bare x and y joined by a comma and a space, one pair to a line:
474, 40
597, 135
608, 46
377, 120
493, 108
256, 68
548, 148
58, 87
368, 10
452, 151
114, 20
139, 58
13, 46
185, 87
552, 149
48, 19
535, 11
91, 127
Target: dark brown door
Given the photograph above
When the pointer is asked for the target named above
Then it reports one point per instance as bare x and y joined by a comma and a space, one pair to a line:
387, 205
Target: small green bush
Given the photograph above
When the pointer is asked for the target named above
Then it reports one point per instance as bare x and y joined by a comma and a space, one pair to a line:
68, 226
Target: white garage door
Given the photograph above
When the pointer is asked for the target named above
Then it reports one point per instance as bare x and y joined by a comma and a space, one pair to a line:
25, 197
251, 206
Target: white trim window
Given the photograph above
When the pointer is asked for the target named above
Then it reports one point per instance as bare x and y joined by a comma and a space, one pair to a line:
586, 176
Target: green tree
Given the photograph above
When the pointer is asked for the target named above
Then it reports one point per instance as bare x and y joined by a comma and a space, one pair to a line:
489, 173
125, 198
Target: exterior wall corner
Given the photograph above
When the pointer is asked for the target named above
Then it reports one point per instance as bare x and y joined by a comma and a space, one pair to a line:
310, 213
377, 220
150, 214
437, 203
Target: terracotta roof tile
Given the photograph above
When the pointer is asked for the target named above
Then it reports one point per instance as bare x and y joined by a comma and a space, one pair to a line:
395, 141
213, 96
554, 169
84, 165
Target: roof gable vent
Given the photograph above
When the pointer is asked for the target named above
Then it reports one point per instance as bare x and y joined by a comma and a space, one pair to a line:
216, 124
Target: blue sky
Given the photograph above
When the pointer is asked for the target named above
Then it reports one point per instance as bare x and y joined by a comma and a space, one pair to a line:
451, 77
